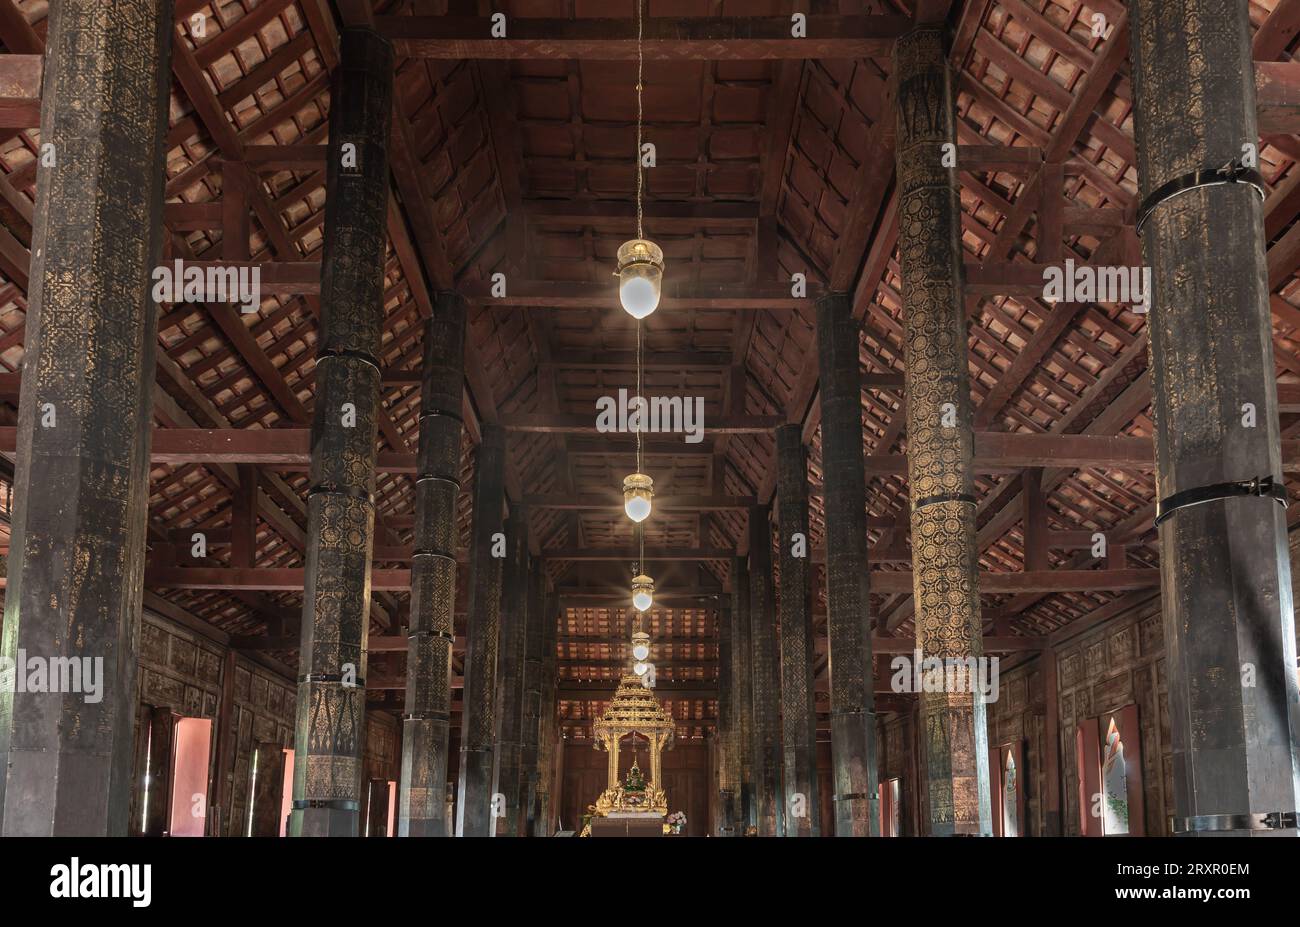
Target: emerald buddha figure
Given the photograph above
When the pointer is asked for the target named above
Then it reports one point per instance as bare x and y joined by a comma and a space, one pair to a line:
635, 781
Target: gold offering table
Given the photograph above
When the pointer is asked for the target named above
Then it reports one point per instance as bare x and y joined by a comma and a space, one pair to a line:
628, 824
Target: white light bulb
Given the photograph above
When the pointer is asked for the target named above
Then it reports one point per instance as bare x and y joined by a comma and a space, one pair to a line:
637, 508
642, 600
641, 651
639, 296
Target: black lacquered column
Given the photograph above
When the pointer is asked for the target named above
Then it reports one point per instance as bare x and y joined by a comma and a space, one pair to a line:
743, 693
422, 805
510, 669
547, 731
1225, 568
478, 781
728, 819
340, 504
766, 677
848, 619
77, 547
534, 645
798, 710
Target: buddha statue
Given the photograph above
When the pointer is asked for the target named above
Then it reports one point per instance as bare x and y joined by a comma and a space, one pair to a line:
635, 781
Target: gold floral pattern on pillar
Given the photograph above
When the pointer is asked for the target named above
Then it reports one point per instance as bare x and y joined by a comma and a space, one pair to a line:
939, 432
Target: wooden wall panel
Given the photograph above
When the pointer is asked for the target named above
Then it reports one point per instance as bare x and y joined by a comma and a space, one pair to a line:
182, 671
1118, 664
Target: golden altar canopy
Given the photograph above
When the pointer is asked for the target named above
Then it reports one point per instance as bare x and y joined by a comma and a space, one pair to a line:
633, 710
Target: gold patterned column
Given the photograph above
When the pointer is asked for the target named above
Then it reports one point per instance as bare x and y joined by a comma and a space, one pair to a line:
340, 503
939, 433
81, 487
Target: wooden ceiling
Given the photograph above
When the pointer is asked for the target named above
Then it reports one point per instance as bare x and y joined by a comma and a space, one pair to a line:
766, 168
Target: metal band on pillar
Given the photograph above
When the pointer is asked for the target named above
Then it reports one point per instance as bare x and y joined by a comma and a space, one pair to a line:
940, 440
853, 719
1226, 587
422, 806
340, 510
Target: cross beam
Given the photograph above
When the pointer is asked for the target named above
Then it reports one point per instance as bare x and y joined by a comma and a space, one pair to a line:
695, 38
885, 582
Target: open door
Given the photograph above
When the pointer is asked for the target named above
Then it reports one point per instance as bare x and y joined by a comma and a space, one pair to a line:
190, 764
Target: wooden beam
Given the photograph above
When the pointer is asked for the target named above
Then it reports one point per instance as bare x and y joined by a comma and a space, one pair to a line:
20, 91
289, 448
596, 502
1277, 32
546, 294
290, 579
620, 215
1277, 97
1014, 159
698, 38
631, 554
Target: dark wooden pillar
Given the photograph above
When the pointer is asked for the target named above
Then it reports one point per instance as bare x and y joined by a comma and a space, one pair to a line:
422, 805
742, 692
534, 643
158, 790
798, 711
264, 804
939, 434
549, 742
76, 560
478, 783
1225, 574
729, 823
848, 620
1051, 799
766, 676
510, 675
340, 505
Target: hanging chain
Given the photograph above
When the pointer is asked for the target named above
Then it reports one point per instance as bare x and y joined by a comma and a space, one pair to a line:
640, 233
640, 66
